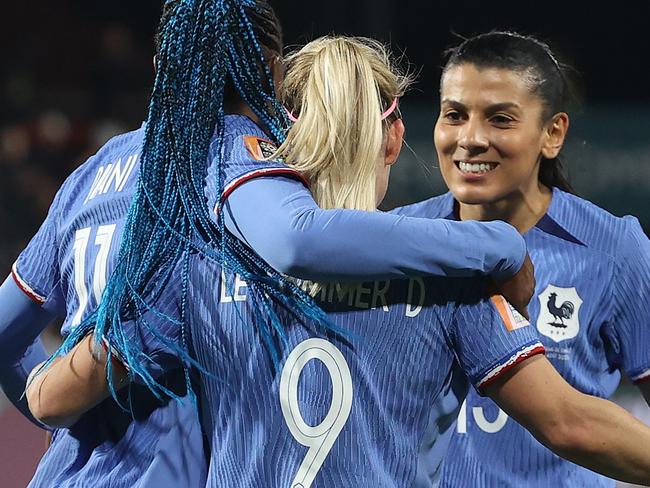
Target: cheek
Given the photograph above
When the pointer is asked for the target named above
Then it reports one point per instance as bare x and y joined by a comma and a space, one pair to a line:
520, 152
445, 142
444, 139
526, 139
511, 143
438, 135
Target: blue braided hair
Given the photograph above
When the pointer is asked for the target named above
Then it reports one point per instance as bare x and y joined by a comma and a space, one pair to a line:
210, 52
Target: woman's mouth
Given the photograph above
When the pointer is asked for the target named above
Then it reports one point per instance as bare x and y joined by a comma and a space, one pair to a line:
475, 167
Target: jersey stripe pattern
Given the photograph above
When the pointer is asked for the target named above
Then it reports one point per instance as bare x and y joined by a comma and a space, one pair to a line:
349, 410
591, 311
160, 443
65, 267
245, 148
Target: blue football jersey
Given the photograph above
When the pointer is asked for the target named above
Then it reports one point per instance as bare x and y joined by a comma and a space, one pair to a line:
593, 316
246, 149
65, 268
73, 252
347, 410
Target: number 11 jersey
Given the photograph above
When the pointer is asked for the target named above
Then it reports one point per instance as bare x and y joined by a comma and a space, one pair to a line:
65, 268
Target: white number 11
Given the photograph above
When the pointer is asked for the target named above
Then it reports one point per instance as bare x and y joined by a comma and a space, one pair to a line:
103, 239
319, 438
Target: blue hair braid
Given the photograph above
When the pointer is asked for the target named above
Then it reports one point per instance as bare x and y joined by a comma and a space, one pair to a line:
204, 45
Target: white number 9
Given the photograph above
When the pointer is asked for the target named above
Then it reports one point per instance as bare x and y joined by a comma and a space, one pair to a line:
318, 438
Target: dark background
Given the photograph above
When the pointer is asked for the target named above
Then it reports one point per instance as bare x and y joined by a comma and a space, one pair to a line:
74, 73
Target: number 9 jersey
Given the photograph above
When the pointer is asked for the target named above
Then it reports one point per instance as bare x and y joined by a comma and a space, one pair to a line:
349, 410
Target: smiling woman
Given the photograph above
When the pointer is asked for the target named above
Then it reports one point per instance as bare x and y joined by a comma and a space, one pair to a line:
500, 131
501, 127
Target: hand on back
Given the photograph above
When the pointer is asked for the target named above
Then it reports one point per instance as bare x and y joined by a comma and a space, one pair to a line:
519, 289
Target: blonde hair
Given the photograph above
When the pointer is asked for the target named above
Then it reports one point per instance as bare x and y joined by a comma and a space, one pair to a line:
338, 88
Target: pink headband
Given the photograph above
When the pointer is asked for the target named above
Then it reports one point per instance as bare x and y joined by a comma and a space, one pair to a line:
384, 116
390, 110
292, 117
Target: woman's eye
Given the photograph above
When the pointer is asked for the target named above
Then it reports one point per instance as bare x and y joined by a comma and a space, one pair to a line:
501, 119
453, 116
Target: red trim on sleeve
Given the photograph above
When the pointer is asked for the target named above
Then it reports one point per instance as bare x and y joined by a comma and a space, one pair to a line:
259, 173
116, 358
25, 288
522, 356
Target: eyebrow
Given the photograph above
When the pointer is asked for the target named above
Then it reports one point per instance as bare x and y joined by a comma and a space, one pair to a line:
490, 109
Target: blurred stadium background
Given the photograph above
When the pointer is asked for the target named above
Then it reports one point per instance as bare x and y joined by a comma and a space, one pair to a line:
75, 72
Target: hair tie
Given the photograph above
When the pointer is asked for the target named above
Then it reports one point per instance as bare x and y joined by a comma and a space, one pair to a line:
390, 110
384, 116
292, 117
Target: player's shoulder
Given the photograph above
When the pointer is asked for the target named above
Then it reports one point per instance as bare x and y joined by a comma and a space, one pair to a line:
441, 206
122, 149
116, 147
592, 225
126, 142
243, 140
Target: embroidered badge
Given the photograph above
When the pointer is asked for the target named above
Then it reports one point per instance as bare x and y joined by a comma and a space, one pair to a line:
558, 313
260, 149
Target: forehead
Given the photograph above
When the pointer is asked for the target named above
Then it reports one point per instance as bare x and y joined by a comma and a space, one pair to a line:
472, 86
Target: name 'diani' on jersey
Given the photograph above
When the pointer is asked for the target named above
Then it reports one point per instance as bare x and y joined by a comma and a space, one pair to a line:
112, 176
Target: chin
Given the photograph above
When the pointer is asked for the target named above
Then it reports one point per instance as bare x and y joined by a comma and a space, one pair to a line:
474, 195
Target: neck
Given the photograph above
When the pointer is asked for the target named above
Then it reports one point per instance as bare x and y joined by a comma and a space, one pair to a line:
243, 109
522, 209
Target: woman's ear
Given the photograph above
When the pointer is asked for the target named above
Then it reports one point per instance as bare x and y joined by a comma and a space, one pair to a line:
394, 141
277, 69
554, 136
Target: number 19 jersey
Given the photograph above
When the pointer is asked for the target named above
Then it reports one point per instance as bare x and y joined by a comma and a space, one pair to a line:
591, 310
351, 410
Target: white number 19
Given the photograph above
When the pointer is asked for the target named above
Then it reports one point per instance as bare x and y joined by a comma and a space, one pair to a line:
319, 438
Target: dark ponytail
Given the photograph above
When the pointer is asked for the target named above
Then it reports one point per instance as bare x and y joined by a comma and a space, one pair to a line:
552, 175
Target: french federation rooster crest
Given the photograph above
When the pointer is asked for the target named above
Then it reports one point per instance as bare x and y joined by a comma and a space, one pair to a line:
564, 311
558, 314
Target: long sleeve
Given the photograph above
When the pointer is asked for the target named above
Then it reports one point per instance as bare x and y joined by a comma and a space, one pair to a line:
279, 219
21, 322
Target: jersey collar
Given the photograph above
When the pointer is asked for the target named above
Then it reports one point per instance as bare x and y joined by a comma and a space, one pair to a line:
546, 224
